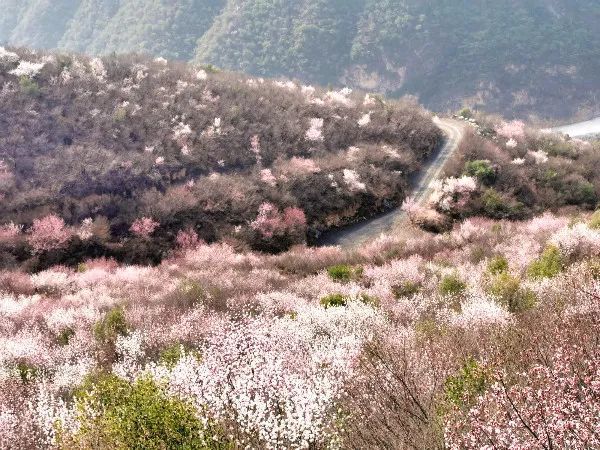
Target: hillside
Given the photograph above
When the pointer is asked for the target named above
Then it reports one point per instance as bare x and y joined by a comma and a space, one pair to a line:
484, 336
518, 58
130, 157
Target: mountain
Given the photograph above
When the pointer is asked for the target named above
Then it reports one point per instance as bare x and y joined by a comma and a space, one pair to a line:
532, 57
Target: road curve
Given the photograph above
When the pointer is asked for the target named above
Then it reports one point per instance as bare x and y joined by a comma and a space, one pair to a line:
580, 129
356, 234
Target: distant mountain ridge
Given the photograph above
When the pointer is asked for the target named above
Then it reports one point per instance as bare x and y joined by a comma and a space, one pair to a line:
531, 57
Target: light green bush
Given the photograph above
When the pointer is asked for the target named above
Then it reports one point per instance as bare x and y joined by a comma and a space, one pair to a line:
498, 264
452, 285
549, 264
113, 324
509, 291
118, 414
334, 300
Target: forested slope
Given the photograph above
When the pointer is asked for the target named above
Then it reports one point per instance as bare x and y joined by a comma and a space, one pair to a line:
518, 58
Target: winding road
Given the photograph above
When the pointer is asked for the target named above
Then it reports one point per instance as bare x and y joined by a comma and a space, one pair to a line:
357, 234
354, 235
581, 129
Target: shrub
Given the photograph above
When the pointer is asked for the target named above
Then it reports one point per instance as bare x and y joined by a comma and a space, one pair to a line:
344, 272
189, 293
369, 300
482, 170
405, 289
452, 285
171, 355
29, 86
334, 300
510, 293
548, 265
27, 372
497, 265
462, 389
465, 113
113, 324
48, 233
115, 413
494, 205
64, 336
595, 220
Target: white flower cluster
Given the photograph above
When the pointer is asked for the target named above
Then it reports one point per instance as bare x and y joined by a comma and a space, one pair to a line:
27, 69
578, 240
7, 56
352, 179
315, 132
340, 97
364, 120
540, 157
451, 190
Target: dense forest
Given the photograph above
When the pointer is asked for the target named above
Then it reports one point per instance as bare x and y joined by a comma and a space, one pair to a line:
534, 57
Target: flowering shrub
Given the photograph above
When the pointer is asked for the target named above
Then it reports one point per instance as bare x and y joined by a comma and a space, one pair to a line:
271, 222
144, 226
48, 233
187, 239
308, 348
553, 405
451, 193
315, 132
511, 130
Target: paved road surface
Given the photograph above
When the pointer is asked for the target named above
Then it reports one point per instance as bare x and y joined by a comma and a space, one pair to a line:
581, 128
359, 233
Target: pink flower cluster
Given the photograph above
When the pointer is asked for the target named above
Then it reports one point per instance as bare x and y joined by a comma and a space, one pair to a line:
144, 227
271, 222
48, 233
511, 130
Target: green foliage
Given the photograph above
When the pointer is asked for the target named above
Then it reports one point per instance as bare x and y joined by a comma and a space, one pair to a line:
334, 300
120, 114
482, 170
494, 205
138, 415
497, 265
548, 265
65, 336
27, 372
369, 300
510, 293
113, 324
29, 86
171, 355
190, 293
337, 300
452, 285
344, 272
465, 113
405, 289
594, 222
461, 390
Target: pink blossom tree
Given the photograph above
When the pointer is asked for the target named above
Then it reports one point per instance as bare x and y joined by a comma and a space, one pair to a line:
271, 222
511, 130
48, 233
187, 239
144, 227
